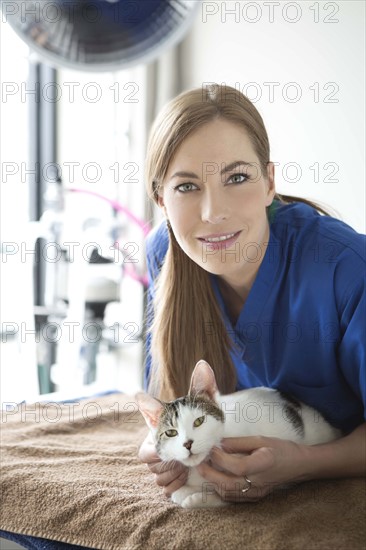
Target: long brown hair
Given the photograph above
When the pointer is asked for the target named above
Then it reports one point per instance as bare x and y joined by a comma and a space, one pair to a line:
188, 324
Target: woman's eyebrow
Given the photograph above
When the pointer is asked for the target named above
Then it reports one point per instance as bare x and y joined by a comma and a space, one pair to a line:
184, 175
233, 165
227, 168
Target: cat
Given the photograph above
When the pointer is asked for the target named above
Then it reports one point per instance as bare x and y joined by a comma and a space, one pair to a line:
187, 428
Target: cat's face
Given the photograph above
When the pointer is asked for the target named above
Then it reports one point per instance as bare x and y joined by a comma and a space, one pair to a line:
188, 429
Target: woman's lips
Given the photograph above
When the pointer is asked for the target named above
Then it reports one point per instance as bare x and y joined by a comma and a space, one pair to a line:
219, 241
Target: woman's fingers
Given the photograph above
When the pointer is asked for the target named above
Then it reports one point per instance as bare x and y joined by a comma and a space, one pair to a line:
169, 475
162, 467
147, 452
178, 476
229, 487
176, 484
227, 473
241, 465
235, 464
243, 444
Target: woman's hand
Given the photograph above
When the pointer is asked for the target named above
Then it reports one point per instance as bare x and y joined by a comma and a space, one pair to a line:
169, 475
267, 462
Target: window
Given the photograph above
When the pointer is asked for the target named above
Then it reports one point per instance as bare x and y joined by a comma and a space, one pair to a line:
18, 353
100, 135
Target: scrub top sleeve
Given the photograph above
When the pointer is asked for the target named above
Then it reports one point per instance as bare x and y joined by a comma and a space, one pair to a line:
156, 246
149, 315
352, 348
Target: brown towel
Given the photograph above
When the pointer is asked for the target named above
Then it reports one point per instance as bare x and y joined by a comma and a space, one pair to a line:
70, 473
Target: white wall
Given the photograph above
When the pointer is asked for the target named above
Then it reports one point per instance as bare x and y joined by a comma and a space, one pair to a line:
322, 53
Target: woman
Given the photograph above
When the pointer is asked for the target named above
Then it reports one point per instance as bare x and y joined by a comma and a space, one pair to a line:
263, 287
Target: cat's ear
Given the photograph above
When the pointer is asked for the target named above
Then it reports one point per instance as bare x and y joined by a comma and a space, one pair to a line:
150, 408
203, 380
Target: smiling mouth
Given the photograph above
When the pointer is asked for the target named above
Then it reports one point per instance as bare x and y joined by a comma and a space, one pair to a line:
221, 242
218, 238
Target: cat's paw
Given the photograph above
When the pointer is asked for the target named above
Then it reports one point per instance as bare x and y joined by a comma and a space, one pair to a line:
203, 500
179, 496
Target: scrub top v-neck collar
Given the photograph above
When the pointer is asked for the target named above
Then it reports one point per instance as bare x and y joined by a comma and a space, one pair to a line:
258, 294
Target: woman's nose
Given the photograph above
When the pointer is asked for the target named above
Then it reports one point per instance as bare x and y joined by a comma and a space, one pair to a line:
214, 207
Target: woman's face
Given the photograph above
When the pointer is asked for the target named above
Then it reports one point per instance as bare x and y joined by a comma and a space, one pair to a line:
215, 198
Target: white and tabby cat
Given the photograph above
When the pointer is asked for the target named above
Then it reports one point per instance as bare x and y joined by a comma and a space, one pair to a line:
187, 428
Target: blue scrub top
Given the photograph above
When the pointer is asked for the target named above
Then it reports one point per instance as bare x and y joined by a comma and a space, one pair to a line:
302, 328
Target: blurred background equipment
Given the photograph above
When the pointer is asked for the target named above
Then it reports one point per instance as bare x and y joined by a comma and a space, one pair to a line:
75, 324
100, 35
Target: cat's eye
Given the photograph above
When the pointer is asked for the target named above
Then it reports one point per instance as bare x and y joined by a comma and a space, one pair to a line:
198, 421
171, 433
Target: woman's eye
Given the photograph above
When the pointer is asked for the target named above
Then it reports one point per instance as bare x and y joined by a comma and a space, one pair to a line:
171, 433
198, 421
239, 178
185, 187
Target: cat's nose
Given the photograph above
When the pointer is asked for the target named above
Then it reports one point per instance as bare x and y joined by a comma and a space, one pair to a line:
188, 444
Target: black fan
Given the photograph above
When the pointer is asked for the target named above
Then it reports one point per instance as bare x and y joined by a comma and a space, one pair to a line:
100, 35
